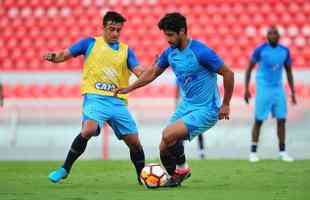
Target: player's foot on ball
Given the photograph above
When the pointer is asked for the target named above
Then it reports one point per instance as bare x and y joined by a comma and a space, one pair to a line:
178, 177
57, 175
253, 157
285, 157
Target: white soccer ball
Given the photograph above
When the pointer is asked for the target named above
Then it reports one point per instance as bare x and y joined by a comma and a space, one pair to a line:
153, 176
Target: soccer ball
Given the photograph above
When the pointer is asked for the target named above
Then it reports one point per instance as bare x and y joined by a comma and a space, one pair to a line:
153, 176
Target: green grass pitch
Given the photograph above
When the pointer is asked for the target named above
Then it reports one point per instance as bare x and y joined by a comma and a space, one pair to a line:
115, 180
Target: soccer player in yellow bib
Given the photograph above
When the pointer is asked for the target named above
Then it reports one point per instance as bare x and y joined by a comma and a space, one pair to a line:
108, 64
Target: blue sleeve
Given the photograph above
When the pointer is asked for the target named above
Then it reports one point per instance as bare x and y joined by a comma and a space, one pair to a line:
162, 61
81, 47
132, 60
288, 60
255, 58
206, 56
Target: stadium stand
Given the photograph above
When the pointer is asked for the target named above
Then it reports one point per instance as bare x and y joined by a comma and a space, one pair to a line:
232, 27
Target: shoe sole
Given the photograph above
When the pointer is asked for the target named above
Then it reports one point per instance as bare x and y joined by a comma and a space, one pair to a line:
187, 176
182, 179
54, 181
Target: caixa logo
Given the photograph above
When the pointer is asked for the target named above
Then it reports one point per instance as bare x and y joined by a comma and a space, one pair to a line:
105, 86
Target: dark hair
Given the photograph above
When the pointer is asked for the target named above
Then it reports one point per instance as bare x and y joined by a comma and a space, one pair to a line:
114, 17
173, 22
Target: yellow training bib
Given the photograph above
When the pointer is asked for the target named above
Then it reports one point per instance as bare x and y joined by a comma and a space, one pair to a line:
105, 69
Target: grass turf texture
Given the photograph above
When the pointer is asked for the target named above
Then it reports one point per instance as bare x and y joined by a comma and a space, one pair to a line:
115, 180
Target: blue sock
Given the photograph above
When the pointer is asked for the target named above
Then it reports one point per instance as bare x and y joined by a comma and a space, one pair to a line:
77, 148
282, 147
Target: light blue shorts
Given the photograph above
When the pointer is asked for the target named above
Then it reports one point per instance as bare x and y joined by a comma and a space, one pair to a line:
111, 110
196, 119
270, 100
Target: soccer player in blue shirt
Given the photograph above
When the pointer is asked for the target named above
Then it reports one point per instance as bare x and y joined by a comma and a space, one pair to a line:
196, 67
108, 64
270, 95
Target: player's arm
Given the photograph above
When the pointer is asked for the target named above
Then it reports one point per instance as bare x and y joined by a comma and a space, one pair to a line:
137, 71
145, 78
290, 79
211, 61
1, 95
133, 63
228, 82
148, 75
247, 93
79, 48
255, 58
57, 57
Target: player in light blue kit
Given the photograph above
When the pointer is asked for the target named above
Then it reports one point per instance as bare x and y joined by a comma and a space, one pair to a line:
196, 67
270, 95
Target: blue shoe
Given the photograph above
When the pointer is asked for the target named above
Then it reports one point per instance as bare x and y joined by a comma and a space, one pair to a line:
58, 175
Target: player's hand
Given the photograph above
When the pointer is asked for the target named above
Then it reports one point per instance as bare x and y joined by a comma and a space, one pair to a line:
224, 112
294, 101
50, 56
120, 91
247, 96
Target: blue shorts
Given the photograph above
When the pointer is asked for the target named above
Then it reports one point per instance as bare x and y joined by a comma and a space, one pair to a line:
270, 100
196, 119
111, 110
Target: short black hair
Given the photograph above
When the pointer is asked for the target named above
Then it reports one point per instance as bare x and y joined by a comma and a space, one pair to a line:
114, 17
173, 22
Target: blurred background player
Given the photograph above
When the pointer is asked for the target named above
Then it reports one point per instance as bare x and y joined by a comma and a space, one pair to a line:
108, 64
201, 147
1, 95
196, 67
270, 93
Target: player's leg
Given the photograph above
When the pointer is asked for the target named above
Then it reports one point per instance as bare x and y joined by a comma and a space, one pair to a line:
180, 158
201, 147
192, 124
90, 128
255, 139
281, 134
172, 153
171, 146
263, 106
125, 128
283, 155
78, 146
136, 152
279, 111
94, 115
171, 161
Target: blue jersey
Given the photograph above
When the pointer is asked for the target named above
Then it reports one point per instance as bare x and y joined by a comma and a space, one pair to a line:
195, 68
271, 62
84, 46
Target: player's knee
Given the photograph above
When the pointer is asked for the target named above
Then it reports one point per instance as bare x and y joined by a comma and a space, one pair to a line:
135, 146
88, 133
258, 123
167, 138
281, 121
162, 147
133, 143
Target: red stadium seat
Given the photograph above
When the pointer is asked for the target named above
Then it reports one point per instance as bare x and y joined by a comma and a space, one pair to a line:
39, 26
